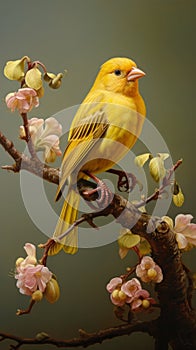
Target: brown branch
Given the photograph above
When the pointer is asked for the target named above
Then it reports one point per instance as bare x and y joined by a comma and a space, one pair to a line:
85, 339
34, 166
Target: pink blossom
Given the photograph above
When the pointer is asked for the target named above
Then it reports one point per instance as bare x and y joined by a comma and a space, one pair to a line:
130, 292
23, 100
113, 284
32, 278
130, 288
140, 297
185, 230
116, 295
30, 275
45, 136
148, 271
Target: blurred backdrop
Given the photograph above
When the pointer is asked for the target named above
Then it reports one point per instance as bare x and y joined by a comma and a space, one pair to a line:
79, 36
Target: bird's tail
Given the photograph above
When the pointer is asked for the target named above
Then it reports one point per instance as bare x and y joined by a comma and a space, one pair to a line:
67, 217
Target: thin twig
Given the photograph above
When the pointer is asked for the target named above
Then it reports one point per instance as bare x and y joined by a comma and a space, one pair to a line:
28, 138
166, 182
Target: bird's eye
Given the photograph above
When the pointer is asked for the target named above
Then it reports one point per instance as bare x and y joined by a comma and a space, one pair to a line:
117, 72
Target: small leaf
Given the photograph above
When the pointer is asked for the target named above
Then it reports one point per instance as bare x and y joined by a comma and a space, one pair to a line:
33, 78
40, 92
14, 70
128, 240
157, 168
144, 247
142, 159
123, 252
178, 199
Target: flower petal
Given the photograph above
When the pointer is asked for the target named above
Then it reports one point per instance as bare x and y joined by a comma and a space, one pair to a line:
182, 241
181, 221
113, 284
30, 249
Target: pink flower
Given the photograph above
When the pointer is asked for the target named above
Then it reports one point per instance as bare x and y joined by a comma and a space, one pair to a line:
130, 292
32, 278
45, 137
130, 288
30, 275
117, 296
142, 299
23, 100
113, 284
185, 230
148, 271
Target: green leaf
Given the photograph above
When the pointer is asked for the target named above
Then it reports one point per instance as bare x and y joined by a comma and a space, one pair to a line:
142, 159
128, 240
33, 78
144, 247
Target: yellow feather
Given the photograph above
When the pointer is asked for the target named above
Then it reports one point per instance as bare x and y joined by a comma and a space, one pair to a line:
111, 115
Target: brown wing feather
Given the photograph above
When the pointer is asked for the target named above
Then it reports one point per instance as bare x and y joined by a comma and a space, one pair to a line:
82, 138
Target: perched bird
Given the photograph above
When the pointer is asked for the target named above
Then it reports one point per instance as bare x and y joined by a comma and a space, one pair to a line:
104, 129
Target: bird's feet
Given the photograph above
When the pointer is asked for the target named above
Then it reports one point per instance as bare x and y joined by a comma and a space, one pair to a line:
126, 181
105, 195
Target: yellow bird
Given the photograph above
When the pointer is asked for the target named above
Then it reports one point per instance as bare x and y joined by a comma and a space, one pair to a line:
105, 127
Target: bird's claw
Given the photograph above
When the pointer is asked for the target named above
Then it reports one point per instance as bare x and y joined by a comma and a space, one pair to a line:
105, 195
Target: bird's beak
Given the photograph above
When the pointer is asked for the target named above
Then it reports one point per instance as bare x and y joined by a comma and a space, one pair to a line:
135, 73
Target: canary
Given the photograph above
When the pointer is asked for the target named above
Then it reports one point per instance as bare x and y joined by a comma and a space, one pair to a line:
105, 127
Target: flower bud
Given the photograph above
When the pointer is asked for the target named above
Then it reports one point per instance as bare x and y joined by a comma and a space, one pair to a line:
41, 336
33, 78
19, 261
168, 220
115, 293
37, 295
145, 303
151, 273
178, 199
14, 70
122, 295
50, 157
22, 133
49, 76
56, 82
52, 291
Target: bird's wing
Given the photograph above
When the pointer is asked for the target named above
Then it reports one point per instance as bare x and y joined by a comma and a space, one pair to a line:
83, 136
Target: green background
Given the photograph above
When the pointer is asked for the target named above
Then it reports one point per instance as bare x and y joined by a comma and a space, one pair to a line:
79, 36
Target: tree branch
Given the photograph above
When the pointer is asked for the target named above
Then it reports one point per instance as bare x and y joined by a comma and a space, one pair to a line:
34, 166
85, 339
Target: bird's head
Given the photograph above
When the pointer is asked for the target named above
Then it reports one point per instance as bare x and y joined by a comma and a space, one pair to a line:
120, 75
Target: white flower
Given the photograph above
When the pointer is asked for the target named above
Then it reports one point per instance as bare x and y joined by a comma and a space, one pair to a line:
185, 230
45, 137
